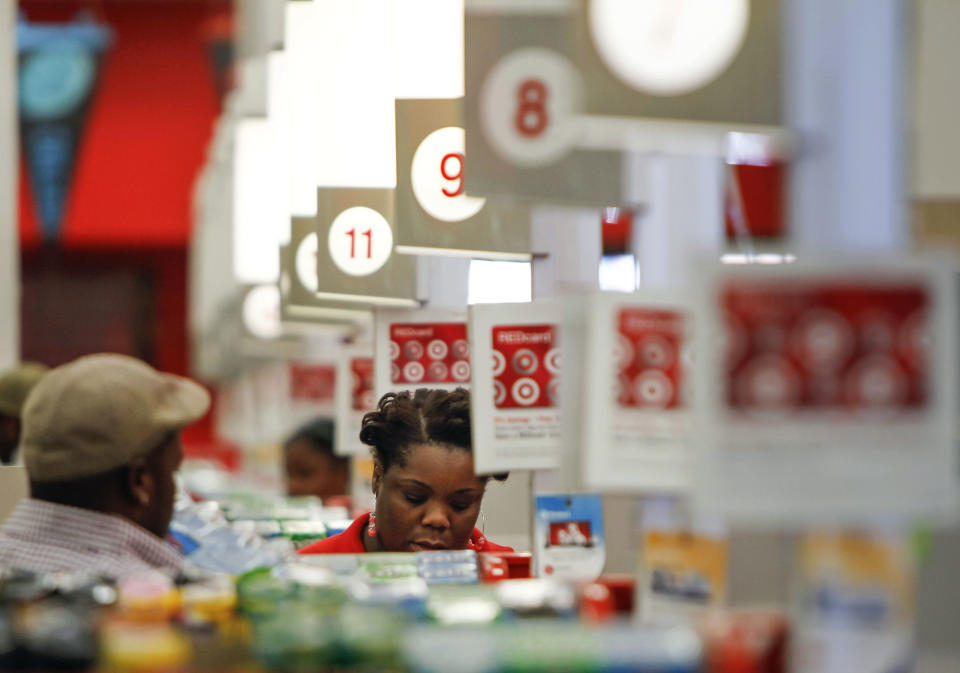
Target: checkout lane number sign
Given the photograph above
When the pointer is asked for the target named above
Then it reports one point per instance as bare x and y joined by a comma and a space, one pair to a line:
437, 176
360, 241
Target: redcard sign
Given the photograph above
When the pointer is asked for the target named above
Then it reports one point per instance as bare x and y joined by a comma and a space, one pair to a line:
829, 392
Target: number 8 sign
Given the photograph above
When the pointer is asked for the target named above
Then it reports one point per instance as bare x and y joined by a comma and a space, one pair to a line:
436, 174
528, 106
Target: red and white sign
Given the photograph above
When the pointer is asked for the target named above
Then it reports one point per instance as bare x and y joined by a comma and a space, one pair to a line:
526, 366
355, 397
313, 383
516, 407
429, 353
827, 346
637, 414
421, 348
829, 391
648, 346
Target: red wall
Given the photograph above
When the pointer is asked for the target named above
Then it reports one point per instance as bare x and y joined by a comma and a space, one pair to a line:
148, 125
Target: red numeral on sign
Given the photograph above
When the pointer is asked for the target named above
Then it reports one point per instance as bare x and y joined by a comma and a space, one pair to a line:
458, 176
531, 118
353, 242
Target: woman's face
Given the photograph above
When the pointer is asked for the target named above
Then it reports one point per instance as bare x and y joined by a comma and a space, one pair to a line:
432, 502
310, 472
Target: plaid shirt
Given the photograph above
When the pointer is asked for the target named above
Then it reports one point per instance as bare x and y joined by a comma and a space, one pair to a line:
46, 537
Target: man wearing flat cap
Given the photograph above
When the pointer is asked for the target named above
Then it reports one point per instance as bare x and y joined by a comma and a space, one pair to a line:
15, 385
101, 443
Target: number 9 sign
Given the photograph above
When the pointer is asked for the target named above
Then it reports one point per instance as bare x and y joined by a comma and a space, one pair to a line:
360, 241
436, 174
528, 106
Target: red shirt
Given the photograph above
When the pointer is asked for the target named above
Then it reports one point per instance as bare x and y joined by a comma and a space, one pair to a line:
350, 541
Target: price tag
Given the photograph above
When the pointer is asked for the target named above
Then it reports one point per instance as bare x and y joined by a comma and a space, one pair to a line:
436, 213
638, 412
828, 391
516, 414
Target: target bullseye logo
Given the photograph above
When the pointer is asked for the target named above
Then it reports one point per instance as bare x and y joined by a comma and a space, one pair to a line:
394, 350
525, 391
461, 349
395, 373
552, 361
655, 351
437, 371
413, 372
413, 350
877, 382
437, 349
499, 363
460, 370
366, 400
770, 383
653, 388
553, 391
525, 362
499, 394
623, 352
824, 339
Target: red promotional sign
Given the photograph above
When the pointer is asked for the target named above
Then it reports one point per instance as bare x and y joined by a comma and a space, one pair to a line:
361, 387
648, 357
429, 353
313, 383
826, 346
526, 366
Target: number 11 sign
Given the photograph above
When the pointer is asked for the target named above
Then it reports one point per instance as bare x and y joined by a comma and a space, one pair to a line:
355, 260
435, 214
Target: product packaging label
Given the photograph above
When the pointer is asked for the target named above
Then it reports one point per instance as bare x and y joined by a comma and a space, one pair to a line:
354, 397
568, 536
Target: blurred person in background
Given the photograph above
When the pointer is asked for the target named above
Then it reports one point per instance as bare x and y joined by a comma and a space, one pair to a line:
101, 444
312, 467
15, 385
427, 494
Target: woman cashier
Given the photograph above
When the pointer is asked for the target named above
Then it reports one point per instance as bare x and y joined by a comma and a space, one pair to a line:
427, 495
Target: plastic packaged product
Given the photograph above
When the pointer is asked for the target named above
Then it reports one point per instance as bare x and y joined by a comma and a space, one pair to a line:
55, 634
303, 533
386, 567
149, 597
537, 598
745, 641
295, 638
625, 648
264, 592
369, 637
128, 646
464, 649
213, 600
549, 646
448, 567
463, 604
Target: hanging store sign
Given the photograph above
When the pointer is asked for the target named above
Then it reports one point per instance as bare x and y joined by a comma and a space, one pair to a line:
638, 412
515, 412
828, 391
571, 88
298, 281
421, 348
355, 260
435, 215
